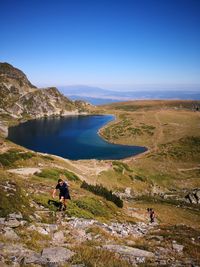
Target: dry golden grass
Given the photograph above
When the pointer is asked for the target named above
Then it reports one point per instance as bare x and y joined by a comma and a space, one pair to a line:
170, 214
94, 257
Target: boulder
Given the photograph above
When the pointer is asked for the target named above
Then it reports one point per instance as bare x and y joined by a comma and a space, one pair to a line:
194, 196
15, 252
58, 237
133, 255
2, 221
32, 258
13, 223
56, 255
9, 233
197, 195
39, 229
15, 215
178, 248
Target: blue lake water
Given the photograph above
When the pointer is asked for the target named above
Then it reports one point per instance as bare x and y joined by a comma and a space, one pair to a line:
74, 137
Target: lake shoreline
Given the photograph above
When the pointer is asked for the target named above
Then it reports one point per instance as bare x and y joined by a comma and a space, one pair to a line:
98, 132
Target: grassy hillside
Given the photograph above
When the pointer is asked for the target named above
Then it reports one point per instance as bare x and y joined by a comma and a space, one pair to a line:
171, 132
159, 178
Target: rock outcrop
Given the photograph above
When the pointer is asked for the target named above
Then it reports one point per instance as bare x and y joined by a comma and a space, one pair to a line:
20, 99
193, 196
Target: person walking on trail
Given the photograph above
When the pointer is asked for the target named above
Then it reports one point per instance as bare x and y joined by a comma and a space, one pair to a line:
64, 193
151, 215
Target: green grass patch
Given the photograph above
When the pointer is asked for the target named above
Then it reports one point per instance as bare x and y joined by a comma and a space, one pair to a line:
92, 205
34, 240
137, 177
54, 174
9, 158
47, 157
187, 148
104, 192
91, 208
126, 128
120, 166
13, 198
73, 210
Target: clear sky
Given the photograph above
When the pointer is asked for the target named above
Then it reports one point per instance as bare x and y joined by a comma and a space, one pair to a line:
116, 44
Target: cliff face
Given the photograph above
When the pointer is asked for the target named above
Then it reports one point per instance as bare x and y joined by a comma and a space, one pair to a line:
20, 99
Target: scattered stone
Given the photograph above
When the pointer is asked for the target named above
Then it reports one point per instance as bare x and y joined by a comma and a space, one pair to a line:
13, 223
17, 216
9, 233
31, 258
14, 252
193, 196
81, 223
178, 248
58, 237
115, 228
2, 221
53, 227
127, 194
42, 230
134, 255
56, 255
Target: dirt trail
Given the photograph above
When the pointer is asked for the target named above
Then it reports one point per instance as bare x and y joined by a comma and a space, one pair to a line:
189, 169
87, 168
25, 171
160, 131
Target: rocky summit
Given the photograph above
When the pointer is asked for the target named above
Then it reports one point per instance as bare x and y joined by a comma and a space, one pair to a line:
21, 99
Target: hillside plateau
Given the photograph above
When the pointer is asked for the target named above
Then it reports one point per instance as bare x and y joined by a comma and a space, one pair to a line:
95, 230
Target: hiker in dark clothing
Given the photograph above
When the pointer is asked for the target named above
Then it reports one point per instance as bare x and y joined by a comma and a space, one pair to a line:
151, 214
64, 193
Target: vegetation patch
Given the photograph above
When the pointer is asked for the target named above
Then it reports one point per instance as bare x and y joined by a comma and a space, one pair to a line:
93, 206
73, 210
185, 148
186, 236
137, 177
125, 128
33, 239
89, 207
93, 257
8, 158
104, 192
47, 157
121, 166
54, 174
13, 198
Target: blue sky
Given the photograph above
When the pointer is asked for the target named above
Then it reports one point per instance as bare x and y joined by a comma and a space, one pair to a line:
116, 44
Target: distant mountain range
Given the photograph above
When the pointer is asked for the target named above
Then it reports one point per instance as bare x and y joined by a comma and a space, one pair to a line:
98, 96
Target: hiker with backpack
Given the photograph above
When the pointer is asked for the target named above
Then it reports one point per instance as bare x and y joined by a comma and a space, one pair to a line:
151, 215
62, 186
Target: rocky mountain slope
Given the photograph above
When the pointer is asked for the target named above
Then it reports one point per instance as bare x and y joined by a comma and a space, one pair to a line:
92, 231
20, 99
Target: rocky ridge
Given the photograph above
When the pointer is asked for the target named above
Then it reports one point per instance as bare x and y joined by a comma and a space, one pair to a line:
22, 100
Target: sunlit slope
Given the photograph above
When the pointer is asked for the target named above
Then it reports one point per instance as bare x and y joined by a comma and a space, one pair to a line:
171, 131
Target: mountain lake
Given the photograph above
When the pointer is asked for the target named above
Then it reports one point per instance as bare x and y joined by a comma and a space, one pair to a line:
72, 137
